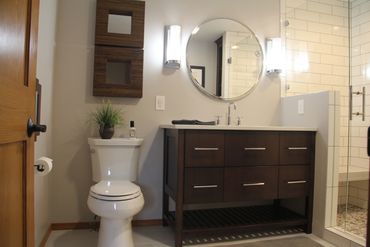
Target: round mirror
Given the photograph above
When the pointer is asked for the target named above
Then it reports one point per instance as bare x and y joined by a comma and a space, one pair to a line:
224, 59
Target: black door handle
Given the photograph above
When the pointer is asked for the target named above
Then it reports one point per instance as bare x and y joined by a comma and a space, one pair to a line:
32, 127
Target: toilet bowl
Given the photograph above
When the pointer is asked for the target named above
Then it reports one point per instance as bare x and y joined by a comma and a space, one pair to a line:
114, 197
116, 202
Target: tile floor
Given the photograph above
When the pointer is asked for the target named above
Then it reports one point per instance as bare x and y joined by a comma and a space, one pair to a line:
354, 221
143, 237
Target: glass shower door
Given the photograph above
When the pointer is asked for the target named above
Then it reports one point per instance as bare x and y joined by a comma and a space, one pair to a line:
353, 191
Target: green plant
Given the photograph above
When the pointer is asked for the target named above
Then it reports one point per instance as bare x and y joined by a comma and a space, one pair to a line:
106, 115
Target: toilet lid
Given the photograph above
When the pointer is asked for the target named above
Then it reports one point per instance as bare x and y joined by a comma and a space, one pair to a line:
115, 190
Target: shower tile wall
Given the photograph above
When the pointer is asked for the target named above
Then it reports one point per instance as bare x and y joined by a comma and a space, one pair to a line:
316, 46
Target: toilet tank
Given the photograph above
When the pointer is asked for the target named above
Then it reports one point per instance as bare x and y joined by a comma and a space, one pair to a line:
115, 159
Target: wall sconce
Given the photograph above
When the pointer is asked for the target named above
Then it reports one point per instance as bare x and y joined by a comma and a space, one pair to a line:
273, 56
172, 46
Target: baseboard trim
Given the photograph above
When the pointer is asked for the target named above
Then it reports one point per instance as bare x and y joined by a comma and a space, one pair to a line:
91, 225
73, 226
46, 237
152, 222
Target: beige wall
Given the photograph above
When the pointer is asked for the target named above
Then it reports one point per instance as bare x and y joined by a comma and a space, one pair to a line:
73, 99
45, 68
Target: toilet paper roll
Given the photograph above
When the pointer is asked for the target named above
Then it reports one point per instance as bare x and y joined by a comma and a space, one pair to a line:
43, 166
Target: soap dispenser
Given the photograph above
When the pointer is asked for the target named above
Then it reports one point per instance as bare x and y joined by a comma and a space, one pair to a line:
132, 131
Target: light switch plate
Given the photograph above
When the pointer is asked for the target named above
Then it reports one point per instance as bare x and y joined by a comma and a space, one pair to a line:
301, 106
160, 103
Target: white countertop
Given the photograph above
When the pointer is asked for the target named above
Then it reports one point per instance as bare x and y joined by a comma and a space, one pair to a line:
234, 127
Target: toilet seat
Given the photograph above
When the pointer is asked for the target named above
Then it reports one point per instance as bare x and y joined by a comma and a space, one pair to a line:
115, 190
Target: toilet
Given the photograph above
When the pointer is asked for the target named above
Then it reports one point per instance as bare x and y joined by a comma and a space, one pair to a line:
114, 197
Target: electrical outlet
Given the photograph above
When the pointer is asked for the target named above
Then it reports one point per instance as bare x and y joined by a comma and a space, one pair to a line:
160, 103
301, 107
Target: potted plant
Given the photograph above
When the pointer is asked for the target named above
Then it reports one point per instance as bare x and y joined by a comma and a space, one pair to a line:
106, 117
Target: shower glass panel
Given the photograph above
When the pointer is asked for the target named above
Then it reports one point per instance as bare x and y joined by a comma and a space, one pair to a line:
327, 47
353, 189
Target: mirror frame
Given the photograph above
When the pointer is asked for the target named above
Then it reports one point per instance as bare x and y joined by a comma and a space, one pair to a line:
199, 86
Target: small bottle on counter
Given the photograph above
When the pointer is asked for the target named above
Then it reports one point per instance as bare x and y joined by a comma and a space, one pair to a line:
132, 131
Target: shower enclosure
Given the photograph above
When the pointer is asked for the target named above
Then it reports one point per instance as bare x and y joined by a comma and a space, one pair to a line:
327, 47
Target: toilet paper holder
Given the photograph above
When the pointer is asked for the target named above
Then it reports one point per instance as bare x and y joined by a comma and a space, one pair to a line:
40, 167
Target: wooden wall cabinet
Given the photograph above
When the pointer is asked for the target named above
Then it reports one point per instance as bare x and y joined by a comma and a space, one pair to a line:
211, 173
119, 42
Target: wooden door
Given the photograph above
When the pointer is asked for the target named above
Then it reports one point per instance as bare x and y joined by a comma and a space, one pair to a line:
18, 41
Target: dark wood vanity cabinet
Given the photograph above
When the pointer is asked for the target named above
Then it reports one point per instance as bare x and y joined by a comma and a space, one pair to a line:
216, 176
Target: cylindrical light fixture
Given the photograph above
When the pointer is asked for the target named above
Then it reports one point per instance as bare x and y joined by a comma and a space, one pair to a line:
172, 51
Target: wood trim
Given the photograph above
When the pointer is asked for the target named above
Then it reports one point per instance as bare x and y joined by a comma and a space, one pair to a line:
89, 225
152, 222
73, 225
46, 237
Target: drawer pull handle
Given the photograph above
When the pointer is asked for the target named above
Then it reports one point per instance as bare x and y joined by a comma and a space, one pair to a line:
255, 149
297, 182
253, 184
297, 148
206, 149
205, 186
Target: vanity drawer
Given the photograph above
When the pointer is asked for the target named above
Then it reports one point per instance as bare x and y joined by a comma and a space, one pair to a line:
250, 183
296, 148
251, 148
204, 148
294, 181
203, 185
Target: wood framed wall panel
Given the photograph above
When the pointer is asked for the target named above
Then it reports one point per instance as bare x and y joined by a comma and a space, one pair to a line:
134, 86
135, 9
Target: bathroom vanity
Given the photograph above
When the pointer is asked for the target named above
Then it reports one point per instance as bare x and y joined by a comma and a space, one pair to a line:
237, 179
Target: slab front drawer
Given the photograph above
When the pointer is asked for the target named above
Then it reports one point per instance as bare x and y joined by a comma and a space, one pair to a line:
204, 148
250, 183
294, 181
296, 148
251, 148
203, 185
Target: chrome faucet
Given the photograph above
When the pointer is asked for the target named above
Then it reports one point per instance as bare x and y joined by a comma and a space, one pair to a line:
229, 112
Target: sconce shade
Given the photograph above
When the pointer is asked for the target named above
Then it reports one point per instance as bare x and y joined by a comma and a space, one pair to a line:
273, 55
172, 49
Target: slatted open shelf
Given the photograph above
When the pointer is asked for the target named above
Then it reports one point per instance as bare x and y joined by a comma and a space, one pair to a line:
246, 218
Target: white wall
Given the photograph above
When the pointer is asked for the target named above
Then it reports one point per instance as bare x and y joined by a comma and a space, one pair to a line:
204, 53
73, 94
45, 68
